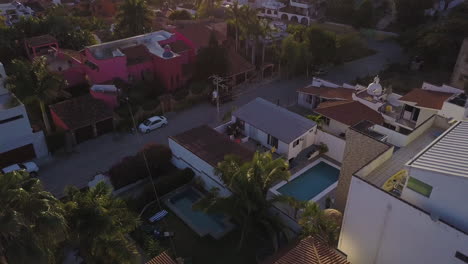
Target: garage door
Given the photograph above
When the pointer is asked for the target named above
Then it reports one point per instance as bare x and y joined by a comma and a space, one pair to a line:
105, 126
83, 134
21, 154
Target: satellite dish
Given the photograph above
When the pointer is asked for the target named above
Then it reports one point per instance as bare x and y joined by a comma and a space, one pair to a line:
375, 89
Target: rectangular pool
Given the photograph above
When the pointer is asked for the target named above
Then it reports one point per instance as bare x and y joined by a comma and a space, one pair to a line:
181, 203
312, 182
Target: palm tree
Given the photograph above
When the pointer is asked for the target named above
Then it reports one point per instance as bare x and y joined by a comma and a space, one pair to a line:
32, 221
247, 23
234, 14
316, 223
33, 82
134, 18
100, 224
248, 205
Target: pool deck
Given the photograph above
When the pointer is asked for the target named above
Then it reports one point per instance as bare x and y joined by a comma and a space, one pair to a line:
216, 235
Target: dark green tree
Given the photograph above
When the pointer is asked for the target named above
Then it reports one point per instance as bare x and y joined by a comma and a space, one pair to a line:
32, 222
33, 82
248, 205
410, 13
134, 18
321, 45
211, 60
180, 15
99, 225
363, 16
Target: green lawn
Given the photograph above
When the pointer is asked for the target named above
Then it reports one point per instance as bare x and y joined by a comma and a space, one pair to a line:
204, 250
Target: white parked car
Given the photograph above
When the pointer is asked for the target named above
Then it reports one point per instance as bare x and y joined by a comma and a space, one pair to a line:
152, 123
30, 167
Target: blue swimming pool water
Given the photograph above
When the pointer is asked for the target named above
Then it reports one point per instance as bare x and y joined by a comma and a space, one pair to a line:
312, 182
202, 222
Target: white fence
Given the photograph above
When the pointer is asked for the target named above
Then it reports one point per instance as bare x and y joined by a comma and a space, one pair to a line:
335, 144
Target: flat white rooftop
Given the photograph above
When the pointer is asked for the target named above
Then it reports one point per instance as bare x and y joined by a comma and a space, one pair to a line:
113, 48
448, 154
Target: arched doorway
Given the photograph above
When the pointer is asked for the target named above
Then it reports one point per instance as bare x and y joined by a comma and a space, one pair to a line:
304, 21
294, 19
284, 17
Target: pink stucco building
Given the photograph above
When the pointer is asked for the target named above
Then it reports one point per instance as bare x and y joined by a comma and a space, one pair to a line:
165, 55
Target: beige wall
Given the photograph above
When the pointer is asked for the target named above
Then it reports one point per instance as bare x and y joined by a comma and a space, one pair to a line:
359, 150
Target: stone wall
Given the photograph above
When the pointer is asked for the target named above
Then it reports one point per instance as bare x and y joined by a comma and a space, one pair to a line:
360, 149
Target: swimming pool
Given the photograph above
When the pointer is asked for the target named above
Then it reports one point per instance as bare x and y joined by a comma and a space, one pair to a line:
181, 203
310, 183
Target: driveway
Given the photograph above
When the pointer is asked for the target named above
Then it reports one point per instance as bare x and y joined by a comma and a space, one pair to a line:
99, 154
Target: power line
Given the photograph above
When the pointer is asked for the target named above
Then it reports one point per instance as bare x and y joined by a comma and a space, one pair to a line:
149, 173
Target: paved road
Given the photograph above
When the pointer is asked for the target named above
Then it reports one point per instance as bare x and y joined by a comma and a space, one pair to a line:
101, 153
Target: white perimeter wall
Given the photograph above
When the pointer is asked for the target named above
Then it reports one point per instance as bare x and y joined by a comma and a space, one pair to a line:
447, 199
18, 133
336, 127
378, 228
450, 110
182, 158
335, 144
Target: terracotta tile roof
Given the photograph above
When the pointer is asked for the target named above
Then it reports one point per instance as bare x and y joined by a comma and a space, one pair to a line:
136, 54
327, 92
211, 146
237, 64
307, 251
81, 111
40, 40
162, 258
426, 98
349, 112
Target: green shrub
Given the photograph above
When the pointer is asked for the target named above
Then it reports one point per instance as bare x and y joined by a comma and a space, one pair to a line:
198, 87
133, 168
150, 105
55, 141
164, 185
180, 94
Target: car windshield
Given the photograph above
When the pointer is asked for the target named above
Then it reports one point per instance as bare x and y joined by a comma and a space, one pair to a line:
147, 122
22, 166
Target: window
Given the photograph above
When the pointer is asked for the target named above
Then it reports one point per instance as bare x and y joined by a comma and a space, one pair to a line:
309, 99
419, 186
272, 141
11, 119
296, 143
156, 121
461, 257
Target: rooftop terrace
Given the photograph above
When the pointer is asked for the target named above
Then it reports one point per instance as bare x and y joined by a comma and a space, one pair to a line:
114, 48
401, 156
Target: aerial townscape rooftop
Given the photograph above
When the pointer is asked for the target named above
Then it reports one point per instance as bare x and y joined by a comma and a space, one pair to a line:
234, 131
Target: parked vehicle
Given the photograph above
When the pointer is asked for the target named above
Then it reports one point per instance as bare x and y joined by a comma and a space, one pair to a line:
30, 167
152, 123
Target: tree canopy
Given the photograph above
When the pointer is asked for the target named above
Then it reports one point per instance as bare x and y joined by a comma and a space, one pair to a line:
71, 32
32, 221
99, 224
438, 42
180, 15
211, 60
249, 206
134, 18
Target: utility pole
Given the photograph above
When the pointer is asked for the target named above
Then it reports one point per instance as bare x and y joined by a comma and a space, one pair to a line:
217, 80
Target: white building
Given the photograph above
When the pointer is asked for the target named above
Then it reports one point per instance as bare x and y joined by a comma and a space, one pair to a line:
428, 224
438, 177
274, 126
201, 149
18, 141
14, 11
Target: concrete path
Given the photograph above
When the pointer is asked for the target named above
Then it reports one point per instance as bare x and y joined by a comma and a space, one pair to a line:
99, 154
